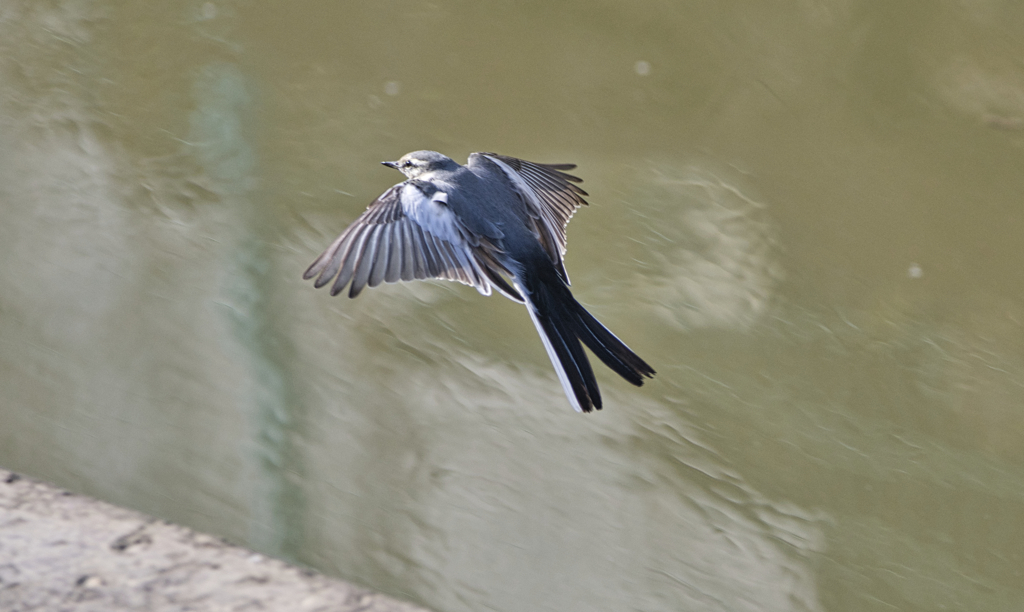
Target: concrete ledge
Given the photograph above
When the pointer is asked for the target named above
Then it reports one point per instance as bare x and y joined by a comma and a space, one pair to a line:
60, 551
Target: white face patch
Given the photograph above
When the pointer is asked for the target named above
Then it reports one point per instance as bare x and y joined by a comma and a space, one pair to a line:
410, 167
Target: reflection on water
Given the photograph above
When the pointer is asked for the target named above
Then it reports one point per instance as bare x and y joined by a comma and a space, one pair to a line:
715, 247
808, 221
218, 139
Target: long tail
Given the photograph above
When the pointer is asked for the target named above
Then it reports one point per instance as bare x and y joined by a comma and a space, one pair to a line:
562, 323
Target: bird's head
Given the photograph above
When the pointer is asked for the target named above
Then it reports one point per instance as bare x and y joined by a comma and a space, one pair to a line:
418, 163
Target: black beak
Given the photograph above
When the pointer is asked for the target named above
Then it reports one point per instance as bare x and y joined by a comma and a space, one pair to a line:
391, 164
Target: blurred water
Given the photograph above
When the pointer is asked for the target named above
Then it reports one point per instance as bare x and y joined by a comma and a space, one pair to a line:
807, 219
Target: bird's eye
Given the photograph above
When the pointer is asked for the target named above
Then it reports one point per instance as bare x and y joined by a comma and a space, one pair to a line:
406, 164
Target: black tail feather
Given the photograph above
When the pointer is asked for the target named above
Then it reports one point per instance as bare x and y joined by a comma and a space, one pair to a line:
609, 349
569, 352
563, 323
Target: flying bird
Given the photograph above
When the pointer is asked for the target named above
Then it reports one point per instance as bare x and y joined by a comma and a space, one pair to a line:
496, 223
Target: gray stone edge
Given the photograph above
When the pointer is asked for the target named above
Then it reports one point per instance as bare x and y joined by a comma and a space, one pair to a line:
67, 552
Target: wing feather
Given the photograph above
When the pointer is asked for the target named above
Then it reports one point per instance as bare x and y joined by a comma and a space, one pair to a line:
421, 266
381, 257
366, 256
410, 257
394, 271
389, 242
349, 259
433, 260
447, 265
550, 195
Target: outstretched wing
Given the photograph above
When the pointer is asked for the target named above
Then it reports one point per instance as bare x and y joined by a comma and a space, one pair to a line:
403, 235
550, 196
